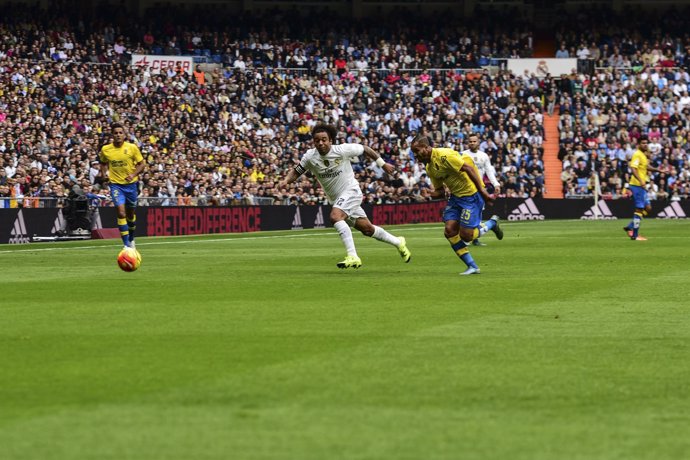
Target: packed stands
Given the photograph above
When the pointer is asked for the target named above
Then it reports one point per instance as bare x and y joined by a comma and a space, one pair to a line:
638, 85
226, 133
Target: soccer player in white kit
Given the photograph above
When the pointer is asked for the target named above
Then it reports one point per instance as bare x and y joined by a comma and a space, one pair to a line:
484, 166
331, 165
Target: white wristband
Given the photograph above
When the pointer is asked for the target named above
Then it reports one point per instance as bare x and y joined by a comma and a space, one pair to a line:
380, 162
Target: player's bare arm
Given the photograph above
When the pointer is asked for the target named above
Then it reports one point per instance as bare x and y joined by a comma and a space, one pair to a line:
657, 170
138, 169
474, 177
291, 177
434, 194
371, 154
637, 175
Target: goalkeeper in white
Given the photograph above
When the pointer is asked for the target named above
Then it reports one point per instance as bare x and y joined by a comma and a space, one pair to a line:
331, 165
484, 166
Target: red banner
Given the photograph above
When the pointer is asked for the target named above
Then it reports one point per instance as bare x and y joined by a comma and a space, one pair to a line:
393, 214
195, 221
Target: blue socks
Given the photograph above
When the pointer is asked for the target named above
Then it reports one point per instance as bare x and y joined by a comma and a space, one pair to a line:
460, 248
486, 226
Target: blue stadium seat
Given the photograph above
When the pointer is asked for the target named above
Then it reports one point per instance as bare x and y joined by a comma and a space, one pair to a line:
217, 58
206, 52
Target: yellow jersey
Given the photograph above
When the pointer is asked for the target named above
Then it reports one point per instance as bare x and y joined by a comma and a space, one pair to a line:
444, 168
121, 161
639, 161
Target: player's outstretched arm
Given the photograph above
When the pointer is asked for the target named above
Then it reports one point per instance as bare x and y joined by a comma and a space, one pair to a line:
657, 170
433, 194
291, 177
138, 169
388, 168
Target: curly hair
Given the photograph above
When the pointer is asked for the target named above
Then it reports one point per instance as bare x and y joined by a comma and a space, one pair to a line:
330, 130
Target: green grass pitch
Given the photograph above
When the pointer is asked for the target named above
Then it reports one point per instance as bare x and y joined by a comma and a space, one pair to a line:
573, 343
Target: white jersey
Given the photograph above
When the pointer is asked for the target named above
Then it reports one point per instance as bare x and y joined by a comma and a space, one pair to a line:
333, 170
481, 160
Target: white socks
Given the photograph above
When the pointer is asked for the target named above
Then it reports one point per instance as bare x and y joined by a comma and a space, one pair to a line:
346, 235
382, 235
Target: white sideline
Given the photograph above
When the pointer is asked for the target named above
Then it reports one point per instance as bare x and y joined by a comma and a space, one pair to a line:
184, 239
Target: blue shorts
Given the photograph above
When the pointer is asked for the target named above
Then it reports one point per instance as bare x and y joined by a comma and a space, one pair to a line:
126, 194
466, 209
639, 196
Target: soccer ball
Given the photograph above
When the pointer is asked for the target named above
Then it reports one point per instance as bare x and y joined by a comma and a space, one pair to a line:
129, 259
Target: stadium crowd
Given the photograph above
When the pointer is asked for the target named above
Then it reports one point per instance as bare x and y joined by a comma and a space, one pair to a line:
631, 39
600, 125
274, 38
638, 86
227, 134
229, 131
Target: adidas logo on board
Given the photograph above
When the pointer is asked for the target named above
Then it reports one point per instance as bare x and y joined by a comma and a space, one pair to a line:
59, 224
319, 222
673, 211
599, 211
297, 220
526, 211
18, 235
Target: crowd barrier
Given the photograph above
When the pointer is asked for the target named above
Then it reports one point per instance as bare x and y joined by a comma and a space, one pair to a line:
20, 225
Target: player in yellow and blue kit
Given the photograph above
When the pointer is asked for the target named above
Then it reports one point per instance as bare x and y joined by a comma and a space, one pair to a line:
121, 163
639, 165
448, 169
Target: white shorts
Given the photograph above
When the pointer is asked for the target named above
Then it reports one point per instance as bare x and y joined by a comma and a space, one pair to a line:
350, 204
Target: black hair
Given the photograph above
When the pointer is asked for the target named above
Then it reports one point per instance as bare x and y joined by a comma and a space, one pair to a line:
330, 130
